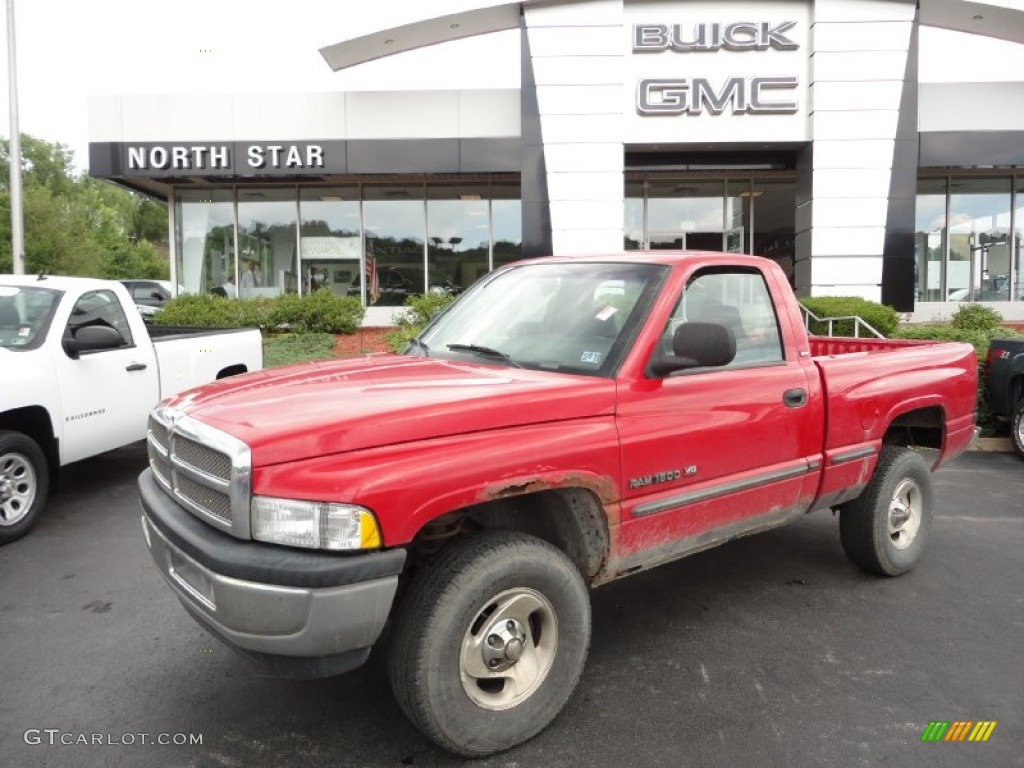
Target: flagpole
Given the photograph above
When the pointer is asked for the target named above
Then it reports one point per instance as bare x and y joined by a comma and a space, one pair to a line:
14, 155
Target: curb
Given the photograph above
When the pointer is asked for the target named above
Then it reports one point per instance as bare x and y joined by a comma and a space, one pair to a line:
993, 445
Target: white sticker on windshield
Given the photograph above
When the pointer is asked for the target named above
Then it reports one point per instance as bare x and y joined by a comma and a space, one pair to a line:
591, 357
607, 312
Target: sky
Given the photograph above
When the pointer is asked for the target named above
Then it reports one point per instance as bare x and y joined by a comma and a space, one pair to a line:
68, 50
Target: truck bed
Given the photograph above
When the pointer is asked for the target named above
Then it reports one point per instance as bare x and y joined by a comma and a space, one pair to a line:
826, 346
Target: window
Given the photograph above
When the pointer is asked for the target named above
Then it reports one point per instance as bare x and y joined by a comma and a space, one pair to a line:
100, 308
266, 242
738, 300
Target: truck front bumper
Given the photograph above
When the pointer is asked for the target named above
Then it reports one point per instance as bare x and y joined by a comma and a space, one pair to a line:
301, 613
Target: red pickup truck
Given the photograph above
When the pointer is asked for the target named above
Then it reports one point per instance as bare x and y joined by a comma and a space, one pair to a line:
567, 422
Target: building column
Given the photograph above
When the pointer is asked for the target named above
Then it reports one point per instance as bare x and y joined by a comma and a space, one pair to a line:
859, 72
575, 53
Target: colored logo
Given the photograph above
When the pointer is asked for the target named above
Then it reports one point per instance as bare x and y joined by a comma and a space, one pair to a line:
958, 730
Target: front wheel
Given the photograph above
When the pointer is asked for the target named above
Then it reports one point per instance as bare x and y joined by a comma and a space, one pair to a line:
491, 642
24, 481
884, 530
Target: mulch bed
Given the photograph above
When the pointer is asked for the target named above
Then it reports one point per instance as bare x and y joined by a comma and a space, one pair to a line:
361, 342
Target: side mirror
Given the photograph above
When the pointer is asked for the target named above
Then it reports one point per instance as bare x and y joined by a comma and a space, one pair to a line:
696, 345
90, 338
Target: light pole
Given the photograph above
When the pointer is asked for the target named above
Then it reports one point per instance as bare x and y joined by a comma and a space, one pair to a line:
14, 153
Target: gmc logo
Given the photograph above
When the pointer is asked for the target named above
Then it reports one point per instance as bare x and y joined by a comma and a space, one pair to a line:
692, 96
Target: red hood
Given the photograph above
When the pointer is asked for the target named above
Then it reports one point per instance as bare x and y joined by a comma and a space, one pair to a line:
320, 408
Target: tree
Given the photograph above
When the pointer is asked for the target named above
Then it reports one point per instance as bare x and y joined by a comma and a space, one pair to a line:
77, 225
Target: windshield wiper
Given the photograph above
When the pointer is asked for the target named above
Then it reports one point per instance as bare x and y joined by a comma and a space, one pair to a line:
486, 351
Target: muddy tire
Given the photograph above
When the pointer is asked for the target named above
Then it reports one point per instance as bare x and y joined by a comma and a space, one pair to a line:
24, 484
884, 530
490, 642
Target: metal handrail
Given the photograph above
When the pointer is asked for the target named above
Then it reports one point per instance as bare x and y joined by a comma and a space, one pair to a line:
857, 323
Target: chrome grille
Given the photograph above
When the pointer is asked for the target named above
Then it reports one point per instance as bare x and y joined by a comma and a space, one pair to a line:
205, 470
209, 500
202, 458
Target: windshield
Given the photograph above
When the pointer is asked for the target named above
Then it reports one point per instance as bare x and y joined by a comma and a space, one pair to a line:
576, 317
25, 314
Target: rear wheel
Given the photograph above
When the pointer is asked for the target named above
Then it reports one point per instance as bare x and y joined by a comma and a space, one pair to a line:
884, 530
1017, 430
24, 481
491, 642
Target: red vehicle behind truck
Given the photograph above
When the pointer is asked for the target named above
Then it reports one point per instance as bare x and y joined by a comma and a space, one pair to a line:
567, 422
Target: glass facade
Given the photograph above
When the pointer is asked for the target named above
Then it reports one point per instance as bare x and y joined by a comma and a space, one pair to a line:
967, 244
737, 215
382, 242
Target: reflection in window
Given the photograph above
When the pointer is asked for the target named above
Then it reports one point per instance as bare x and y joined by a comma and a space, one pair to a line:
458, 236
633, 236
687, 215
929, 245
206, 239
1018, 241
979, 240
266, 242
394, 221
330, 240
506, 224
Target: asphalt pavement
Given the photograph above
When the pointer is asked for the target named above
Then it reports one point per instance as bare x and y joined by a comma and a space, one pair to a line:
770, 651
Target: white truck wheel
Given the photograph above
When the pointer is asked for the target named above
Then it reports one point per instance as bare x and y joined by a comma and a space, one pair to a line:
24, 482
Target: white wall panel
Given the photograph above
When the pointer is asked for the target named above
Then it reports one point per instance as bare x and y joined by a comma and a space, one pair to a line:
871, 292
851, 153
851, 182
847, 270
585, 186
846, 241
877, 124
877, 65
579, 99
578, 70
580, 41
489, 113
884, 94
567, 242
863, 10
583, 157
402, 114
846, 212
265, 117
870, 36
179, 117
971, 106
583, 214
581, 128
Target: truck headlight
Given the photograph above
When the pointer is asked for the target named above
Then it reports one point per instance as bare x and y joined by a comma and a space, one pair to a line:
313, 524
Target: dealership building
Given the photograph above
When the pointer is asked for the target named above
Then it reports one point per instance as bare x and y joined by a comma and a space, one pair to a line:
796, 130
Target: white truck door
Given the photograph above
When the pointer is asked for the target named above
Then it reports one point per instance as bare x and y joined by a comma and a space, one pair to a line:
105, 394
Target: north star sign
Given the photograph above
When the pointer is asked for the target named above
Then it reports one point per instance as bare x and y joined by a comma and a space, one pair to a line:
696, 95
214, 157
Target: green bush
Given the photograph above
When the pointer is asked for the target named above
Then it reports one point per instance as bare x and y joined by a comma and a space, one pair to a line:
319, 312
419, 311
205, 311
882, 318
976, 317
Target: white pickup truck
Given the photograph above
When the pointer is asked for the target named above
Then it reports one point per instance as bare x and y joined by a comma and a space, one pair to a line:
79, 374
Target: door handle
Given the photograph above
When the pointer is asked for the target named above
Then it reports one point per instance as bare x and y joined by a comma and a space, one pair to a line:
136, 367
794, 398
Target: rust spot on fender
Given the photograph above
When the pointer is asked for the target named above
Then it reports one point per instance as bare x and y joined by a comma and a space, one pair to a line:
602, 486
